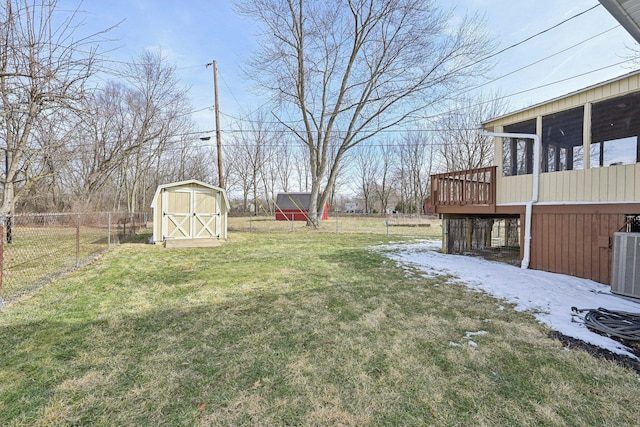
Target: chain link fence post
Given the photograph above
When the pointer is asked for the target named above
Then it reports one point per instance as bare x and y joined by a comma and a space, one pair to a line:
386, 224
7, 221
77, 240
2, 220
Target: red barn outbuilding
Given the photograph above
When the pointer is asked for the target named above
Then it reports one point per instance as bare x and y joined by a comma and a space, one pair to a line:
295, 207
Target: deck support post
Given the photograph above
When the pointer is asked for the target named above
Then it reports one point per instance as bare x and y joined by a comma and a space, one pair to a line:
469, 234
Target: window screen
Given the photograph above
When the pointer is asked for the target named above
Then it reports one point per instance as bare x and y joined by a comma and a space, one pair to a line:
615, 126
518, 153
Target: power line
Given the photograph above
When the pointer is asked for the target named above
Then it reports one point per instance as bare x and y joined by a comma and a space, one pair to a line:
293, 142
530, 89
501, 51
541, 60
434, 116
546, 30
416, 120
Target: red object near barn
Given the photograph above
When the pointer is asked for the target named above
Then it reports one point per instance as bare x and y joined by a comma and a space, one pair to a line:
295, 207
427, 207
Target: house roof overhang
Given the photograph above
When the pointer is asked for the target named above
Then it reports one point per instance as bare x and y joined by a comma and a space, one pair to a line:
627, 13
487, 124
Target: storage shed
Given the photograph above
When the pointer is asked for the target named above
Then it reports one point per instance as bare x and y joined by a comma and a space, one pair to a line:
189, 213
295, 207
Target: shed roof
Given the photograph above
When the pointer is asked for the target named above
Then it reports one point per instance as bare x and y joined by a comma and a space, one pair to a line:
190, 182
293, 200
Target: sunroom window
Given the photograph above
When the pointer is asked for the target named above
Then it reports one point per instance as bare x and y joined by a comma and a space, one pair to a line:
562, 146
615, 126
616, 152
517, 154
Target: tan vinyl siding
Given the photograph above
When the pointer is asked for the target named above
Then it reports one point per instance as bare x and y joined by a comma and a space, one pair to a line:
608, 184
179, 202
636, 189
513, 189
631, 175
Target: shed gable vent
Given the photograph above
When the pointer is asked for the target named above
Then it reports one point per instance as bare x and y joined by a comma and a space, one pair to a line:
625, 271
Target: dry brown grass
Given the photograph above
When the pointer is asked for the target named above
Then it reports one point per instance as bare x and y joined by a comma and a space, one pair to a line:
275, 329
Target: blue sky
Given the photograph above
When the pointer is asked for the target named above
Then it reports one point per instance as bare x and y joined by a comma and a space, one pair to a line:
192, 33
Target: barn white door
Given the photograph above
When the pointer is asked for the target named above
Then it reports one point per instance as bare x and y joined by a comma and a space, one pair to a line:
176, 213
190, 213
206, 214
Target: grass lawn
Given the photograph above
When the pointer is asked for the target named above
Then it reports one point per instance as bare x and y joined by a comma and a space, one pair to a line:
297, 328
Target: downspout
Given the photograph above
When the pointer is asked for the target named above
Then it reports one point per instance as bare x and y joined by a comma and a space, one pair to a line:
537, 150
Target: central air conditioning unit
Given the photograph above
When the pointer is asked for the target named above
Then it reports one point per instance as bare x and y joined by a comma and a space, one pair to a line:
625, 271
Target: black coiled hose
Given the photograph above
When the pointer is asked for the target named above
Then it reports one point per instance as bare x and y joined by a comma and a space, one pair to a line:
619, 324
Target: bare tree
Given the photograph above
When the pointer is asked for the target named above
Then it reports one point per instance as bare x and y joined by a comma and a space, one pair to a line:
301, 164
183, 160
125, 129
461, 146
104, 132
254, 148
367, 170
51, 150
44, 66
156, 104
416, 159
284, 163
386, 181
347, 69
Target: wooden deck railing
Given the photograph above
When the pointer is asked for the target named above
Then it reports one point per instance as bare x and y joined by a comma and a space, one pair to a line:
469, 188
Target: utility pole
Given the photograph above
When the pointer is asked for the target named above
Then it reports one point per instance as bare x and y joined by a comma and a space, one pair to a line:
217, 114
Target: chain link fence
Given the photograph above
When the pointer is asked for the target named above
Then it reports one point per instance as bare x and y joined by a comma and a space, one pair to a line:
37, 248
420, 226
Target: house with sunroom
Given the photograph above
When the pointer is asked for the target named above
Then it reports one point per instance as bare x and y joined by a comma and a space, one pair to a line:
565, 179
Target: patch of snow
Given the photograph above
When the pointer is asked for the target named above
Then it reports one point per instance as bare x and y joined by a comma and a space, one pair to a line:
468, 336
549, 296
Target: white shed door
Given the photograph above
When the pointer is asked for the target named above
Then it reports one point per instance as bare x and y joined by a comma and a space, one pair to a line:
206, 213
190, 213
